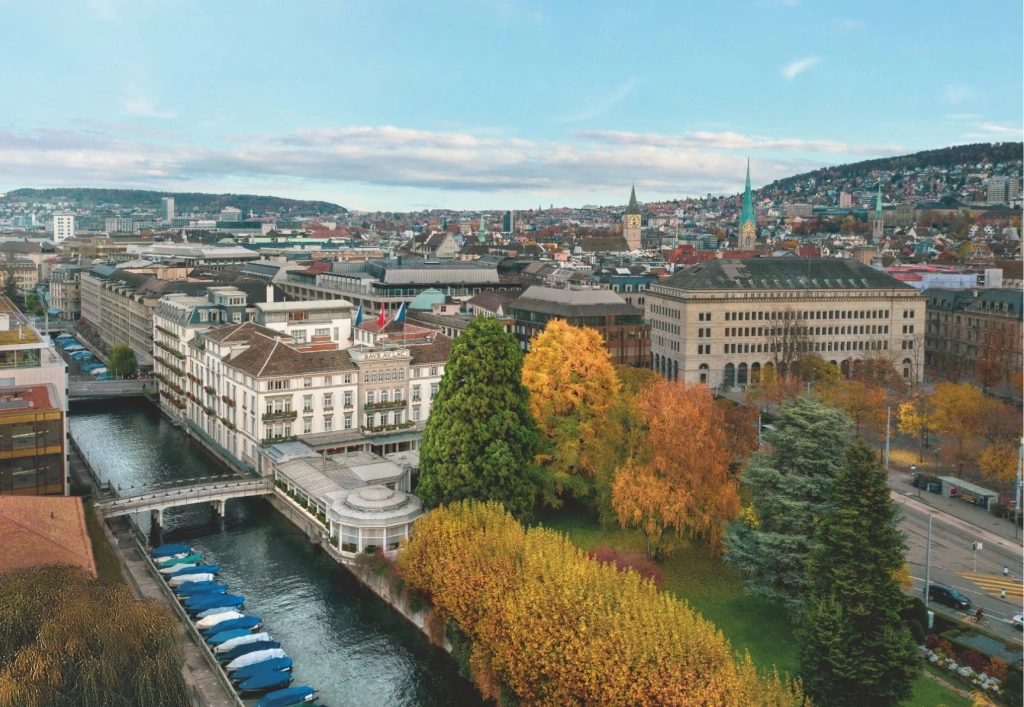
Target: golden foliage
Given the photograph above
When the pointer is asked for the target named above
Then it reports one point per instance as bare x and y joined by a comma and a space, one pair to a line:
559, 628
572, 386
680, 480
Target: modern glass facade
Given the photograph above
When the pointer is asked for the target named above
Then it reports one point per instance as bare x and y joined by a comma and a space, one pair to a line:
32, 453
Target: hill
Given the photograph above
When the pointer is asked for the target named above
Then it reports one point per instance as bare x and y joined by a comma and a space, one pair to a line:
943, 158
184, 202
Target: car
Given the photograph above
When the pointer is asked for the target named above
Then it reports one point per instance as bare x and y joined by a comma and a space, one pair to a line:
1017, 622
944, 594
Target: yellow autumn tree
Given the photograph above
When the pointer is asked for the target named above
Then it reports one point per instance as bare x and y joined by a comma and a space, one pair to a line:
959, 417
680, 480
572, 386
917, 420
998, 461
548, 625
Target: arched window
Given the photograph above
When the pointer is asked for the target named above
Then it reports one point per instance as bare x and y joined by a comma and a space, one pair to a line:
675, 370
908, 366
730, 376
755, 374
741, 377
703, 372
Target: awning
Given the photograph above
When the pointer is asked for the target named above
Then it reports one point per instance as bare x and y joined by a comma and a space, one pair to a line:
54, 311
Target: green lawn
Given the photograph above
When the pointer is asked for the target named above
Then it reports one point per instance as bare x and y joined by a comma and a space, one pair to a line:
712, 588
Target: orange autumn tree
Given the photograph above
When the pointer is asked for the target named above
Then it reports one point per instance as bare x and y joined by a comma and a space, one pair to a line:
679, 482
572, 386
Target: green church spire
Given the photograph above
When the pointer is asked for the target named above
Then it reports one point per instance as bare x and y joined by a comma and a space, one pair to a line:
747, 212
632, 208
878, 202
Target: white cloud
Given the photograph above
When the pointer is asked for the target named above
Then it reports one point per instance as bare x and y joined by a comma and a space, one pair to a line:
603, 105
419, 164
1001, 129
794, 68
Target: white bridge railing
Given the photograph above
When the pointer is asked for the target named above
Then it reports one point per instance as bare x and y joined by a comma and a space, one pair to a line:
185, 496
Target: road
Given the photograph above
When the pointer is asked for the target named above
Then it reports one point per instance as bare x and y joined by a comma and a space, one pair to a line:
953, 560
99, 389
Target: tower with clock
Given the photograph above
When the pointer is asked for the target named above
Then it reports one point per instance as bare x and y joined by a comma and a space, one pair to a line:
631, 222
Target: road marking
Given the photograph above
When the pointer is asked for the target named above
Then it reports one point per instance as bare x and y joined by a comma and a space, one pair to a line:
993, 584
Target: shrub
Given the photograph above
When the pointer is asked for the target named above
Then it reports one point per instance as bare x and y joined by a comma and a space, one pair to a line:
629, 560
916, 631
915, 611
997, 668
1013, 689
975, 660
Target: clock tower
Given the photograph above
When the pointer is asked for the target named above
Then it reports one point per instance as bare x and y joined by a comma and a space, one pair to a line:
631, 222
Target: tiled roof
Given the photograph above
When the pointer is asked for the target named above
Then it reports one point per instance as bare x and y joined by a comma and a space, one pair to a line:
239, 333
437, 351
572, 303
266, 356
614, 244
493, 300
44, 530
782, 274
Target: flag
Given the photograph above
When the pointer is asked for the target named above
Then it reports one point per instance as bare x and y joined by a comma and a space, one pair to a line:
400, 317
359, 315
381, 319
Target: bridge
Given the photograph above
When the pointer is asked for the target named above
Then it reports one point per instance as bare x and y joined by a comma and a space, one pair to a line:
81, 390
215, 493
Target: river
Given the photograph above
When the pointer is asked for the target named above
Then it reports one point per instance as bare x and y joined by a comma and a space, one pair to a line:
346, 642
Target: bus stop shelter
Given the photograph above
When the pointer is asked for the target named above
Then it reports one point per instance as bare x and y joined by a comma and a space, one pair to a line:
968, 492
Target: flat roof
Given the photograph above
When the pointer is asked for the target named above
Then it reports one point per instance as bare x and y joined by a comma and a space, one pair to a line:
44, 530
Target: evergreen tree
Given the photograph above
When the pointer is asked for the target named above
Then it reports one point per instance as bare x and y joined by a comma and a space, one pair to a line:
11, 290
855, 648
480, 437
789, 489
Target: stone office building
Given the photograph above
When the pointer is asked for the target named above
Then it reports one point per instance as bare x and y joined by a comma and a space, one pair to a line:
721, 322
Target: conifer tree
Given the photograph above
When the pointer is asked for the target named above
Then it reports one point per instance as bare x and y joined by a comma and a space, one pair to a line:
479, 439
789, 488
855, 648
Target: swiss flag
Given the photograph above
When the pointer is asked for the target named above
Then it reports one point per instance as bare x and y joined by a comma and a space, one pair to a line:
380, 317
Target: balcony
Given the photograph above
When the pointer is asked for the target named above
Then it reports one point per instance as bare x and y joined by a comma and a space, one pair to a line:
387, 405
280, 415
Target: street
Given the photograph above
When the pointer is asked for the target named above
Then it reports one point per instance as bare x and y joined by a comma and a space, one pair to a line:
98, 389
953, 559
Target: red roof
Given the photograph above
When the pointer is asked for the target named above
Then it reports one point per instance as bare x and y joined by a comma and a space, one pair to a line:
44, 530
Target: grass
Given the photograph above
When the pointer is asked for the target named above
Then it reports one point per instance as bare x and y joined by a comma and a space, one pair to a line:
712, 588
108, 567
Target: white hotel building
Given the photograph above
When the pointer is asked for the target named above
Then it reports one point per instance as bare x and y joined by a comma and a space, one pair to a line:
713, 322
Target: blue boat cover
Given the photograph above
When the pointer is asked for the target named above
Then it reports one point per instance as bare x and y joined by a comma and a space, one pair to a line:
268, 664
194, 569
172, 549
287, 697
265, 680
246, 622
213, 610
218, 638
214, 601
241, 650
189, 588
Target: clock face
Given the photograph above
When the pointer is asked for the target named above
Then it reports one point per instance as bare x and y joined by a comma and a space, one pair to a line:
633, 221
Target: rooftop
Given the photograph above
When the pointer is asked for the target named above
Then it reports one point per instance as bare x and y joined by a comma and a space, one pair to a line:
44, 530
572, 303
782, 274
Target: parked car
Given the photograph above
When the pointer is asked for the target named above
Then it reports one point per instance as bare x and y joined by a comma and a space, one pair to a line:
944, 594
1017, 622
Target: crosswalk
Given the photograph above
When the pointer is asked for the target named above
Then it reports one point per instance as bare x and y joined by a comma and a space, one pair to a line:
993, 584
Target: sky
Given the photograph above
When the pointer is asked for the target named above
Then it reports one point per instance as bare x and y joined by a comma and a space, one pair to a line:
473, 104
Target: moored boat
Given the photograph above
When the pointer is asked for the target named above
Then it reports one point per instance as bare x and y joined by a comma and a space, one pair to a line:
191, 589
180, 579
165, 551
215, 601
194, 558
249, 623
193, 569
248, 671
214, 610
230, 644
175, 567
239, 651
218, 638
255, 657
265, 680
287, 697
214, 619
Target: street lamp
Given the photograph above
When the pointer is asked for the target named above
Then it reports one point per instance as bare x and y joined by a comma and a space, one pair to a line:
917, 481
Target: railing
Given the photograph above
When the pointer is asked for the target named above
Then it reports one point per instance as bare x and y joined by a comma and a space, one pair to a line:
280, 415
184, 496
385, 404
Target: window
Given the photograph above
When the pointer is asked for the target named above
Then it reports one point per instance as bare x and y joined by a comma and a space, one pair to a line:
369, 421
397, 395
307, 425
383, 396
349, 538
322, 332
348, 421
328, 380
348, 398
307, 403
299, 336
347, 379
328, 401
416, 413
328, 423
433, 390
433, 371
416, 393
307, 382
370, 398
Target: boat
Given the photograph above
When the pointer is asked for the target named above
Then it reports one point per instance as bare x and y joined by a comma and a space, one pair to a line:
239, 651
220, 601
247, 637
192, 569
254, 658
287, 697
284, 664
214, 610
172, 569
218, 618
226, 635
191, 589
165, 551
197, 601
250, 623
181, 579
192, 559
265, 680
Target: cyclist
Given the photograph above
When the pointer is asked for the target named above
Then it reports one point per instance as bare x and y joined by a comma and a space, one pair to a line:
979, 615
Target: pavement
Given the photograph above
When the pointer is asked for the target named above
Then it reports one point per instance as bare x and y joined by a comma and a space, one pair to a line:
956, 526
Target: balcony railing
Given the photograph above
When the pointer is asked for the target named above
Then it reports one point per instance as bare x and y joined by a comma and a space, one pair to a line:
385, 405
280, 415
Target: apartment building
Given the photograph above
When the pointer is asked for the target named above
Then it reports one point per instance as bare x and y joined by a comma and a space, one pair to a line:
65, 293
723, 321
33, 409
63, 227
621, 325
962, 322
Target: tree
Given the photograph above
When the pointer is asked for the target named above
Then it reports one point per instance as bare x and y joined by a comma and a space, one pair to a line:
958, 417
996, 354
67, 639
11, 290
998, 461
775, 388
740, 425
680, 480
916, 420
788, 339
572, 386
788, 487
855, 647
864, 405
479, 439
812, 368
121, 360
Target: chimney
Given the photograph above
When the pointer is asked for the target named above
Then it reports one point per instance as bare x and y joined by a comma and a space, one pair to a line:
270, 293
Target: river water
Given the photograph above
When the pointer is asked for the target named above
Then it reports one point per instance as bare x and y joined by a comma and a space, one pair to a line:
346, 642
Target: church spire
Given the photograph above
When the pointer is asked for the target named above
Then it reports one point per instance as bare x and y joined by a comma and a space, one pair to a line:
747, 212
878, 202
632, 208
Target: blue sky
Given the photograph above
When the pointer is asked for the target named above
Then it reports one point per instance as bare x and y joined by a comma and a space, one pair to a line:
490, 103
